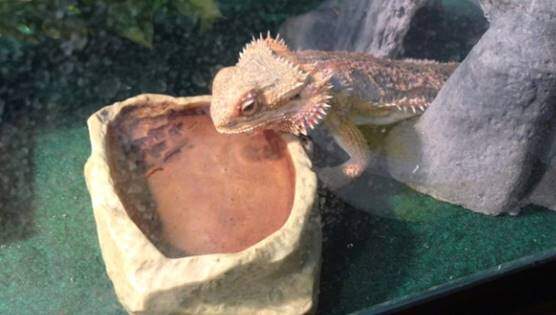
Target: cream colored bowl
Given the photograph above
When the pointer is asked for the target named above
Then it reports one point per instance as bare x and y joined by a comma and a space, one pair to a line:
193, 222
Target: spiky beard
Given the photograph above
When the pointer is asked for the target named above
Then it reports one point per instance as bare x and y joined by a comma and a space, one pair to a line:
312, 107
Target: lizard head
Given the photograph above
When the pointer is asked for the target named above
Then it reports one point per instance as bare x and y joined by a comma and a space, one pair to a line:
266, 89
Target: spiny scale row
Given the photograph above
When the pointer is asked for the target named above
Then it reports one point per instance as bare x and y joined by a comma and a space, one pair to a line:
312, 118
414, 108
261, 40
261, 43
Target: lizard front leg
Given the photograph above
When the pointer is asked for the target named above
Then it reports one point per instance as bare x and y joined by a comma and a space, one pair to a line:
352, 141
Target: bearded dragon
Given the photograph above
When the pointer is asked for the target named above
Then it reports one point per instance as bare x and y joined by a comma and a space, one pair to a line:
273, 87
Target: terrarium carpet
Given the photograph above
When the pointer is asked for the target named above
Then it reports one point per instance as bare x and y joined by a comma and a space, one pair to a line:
56, 268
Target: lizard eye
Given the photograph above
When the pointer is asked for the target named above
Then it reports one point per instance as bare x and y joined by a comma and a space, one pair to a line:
249, 105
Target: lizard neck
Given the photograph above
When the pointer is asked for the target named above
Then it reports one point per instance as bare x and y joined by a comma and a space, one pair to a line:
313, 102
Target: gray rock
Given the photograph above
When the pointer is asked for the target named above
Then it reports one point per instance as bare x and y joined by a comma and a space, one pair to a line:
377, 27
495, 8
485, 142
486, 132
544, 193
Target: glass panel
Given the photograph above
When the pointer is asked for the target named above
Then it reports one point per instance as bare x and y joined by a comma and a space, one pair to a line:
383, 244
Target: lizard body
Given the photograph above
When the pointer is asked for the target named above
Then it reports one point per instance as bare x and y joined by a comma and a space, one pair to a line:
272, 87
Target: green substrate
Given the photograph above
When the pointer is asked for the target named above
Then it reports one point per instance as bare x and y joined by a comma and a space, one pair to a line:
56, 267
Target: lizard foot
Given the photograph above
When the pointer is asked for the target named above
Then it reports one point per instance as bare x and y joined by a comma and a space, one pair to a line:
337, 177
353, 170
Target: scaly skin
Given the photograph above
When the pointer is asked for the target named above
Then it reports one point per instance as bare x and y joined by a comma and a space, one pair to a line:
272, 87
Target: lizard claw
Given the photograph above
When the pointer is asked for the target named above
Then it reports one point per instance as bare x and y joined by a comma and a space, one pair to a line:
337, 177
353, 170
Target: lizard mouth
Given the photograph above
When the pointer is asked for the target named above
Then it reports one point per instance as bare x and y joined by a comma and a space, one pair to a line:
301, 113
243, 129
251, 126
